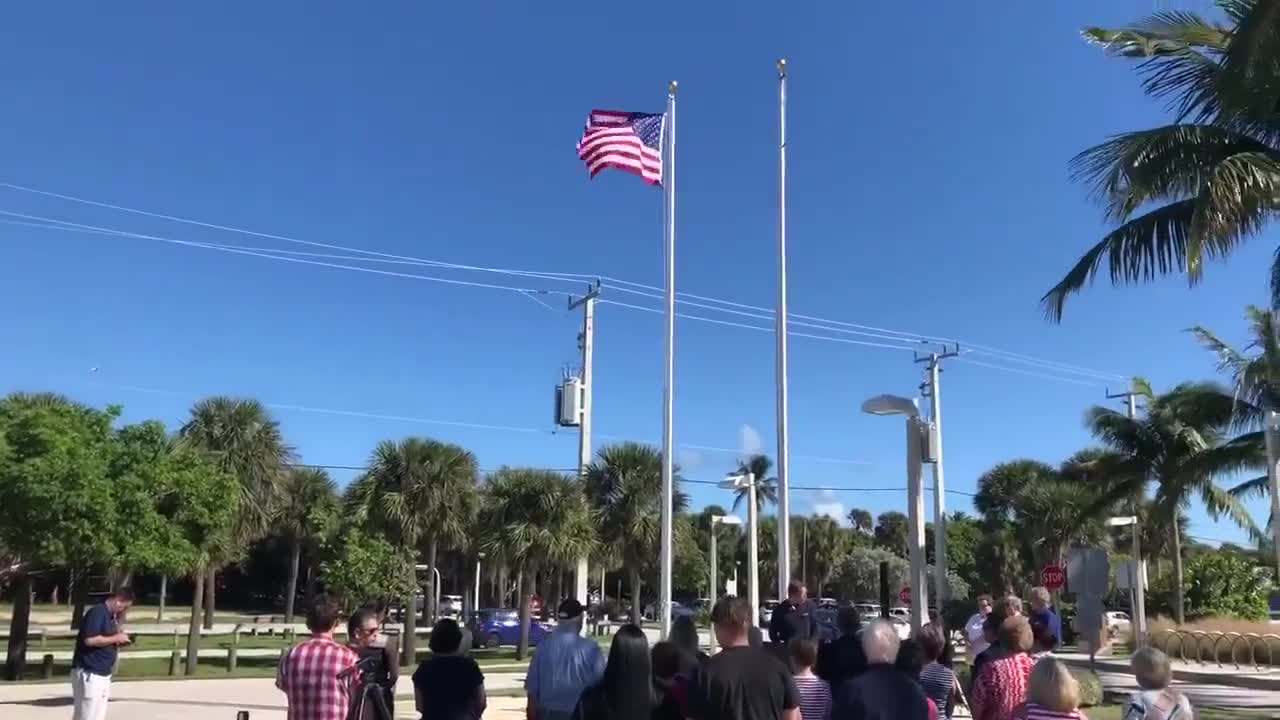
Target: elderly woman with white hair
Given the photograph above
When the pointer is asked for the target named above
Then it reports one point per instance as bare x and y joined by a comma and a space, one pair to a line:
1155, 701
882, 692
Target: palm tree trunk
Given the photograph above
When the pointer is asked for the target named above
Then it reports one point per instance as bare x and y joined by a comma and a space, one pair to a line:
210, 593
410, 616
79, 597
19, 625
522, 645
309, 595
503, 577
193, 627
429, 600
295, 559
164, 592
559, 584
636, 607
1178, 615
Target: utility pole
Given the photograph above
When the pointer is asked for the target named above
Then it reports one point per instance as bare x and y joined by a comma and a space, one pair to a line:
933, 390
1138, 573
585, 341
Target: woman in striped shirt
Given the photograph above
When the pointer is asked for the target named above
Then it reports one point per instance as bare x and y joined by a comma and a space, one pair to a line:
813, 691
1052, 693
938, 680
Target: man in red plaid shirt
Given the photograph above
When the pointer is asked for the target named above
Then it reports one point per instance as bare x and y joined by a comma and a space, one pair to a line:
308, 674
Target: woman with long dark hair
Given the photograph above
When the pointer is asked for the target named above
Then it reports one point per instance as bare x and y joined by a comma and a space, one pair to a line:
626, 690
684, 635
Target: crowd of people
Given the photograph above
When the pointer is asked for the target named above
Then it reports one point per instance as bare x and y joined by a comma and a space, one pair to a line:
865, 673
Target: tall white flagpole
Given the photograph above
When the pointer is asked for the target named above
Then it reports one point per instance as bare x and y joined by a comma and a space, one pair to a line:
784, 485
668, 387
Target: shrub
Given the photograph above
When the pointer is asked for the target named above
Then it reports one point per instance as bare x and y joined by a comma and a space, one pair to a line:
1090, 687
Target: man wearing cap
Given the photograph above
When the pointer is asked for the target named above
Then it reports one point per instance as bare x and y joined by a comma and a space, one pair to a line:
565, 665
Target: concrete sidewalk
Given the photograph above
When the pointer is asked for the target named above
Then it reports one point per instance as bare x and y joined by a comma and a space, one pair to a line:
1246, 676
213, 699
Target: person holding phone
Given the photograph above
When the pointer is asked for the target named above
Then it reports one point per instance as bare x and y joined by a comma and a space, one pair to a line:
94, 658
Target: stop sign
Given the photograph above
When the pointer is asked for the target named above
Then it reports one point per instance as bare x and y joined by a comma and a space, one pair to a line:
904, 595
1053, 577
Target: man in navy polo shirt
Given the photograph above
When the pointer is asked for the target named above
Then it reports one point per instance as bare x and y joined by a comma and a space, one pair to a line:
95, 655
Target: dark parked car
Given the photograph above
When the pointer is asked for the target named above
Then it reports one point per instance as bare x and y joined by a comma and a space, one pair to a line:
491, 628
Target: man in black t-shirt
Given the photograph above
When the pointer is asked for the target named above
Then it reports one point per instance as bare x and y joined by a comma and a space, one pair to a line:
94, 658
740, 682
793, 618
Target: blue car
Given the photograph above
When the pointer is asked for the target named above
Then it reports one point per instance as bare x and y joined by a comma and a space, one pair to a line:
493, 628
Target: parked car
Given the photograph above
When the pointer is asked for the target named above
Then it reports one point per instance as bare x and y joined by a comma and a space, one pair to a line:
900, 612
1117, 622
450, 606
825, 619
901, 625
827, 602
496, 627
678, 609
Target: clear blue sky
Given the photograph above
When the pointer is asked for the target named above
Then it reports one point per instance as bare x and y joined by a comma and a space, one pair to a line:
929, 193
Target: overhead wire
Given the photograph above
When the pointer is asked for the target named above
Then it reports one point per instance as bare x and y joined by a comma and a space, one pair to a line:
365, 255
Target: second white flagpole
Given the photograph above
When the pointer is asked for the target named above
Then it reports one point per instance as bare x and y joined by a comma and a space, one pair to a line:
668, 387
784, 479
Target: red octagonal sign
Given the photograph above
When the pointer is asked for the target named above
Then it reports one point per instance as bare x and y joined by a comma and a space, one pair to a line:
1053, 577
904, 595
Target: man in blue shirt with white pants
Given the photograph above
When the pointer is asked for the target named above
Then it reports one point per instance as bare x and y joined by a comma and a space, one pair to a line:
564, 665
95, 655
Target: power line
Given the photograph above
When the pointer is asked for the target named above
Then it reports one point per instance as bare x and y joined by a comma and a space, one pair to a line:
370, 255
528, 292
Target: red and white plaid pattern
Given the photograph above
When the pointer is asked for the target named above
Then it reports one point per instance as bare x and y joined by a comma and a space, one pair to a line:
308, 675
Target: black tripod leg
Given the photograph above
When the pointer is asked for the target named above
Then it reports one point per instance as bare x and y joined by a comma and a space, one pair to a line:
380, 709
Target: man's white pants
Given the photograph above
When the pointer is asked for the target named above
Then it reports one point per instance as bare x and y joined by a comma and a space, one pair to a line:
90, 693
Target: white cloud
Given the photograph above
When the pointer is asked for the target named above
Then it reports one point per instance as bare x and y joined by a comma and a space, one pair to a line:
826, 503
749, 441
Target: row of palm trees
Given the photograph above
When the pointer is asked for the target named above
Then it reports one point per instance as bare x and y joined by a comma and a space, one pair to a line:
1178, 447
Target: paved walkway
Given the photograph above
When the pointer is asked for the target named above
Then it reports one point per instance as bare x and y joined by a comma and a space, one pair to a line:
212, 699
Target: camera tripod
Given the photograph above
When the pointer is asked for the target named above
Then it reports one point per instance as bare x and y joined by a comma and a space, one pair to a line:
370, 697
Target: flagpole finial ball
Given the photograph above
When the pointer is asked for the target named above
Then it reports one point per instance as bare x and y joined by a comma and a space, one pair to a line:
782, 66
671, 87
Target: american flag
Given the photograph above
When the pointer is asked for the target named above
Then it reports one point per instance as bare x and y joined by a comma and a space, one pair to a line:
629, 141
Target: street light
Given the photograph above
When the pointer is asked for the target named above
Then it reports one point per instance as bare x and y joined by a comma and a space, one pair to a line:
1139, 578
917, 437
736, 481
435, 585
715, 577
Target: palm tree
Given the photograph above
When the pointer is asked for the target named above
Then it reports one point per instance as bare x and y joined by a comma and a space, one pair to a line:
862, 521
531, 518
1256, 380
766, 487
246, 442
1180, 445
415, 491
308, 510
1045, 510
624, 483
1211, 178
828, 544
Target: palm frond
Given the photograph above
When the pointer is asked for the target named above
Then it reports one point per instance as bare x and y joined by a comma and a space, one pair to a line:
1148, 246
1256, 487
1249, 83
1220, 502
1233, 204
1169, 162
1161, 33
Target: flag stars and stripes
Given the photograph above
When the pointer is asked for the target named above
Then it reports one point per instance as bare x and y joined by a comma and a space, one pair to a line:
627, 141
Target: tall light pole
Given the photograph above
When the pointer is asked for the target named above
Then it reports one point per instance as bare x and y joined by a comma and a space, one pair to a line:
475, 599
715, 576
748, 480
918, 433
1139, 579
586, 340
